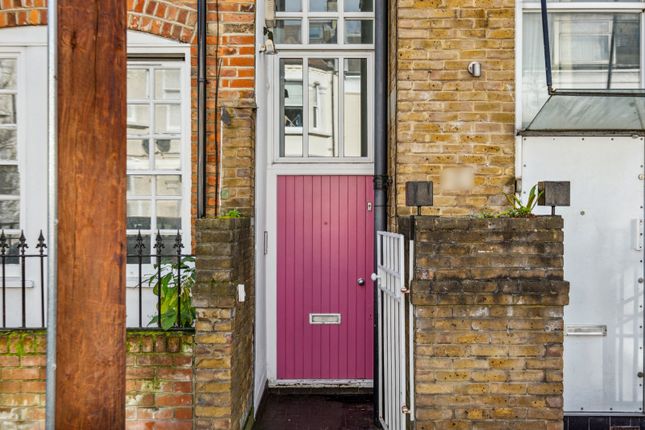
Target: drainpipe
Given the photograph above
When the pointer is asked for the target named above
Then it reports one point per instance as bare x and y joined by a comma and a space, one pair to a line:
52, 204
201, 108
52, 207
380, 158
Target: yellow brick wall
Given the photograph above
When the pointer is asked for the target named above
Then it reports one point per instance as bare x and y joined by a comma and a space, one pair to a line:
449, 122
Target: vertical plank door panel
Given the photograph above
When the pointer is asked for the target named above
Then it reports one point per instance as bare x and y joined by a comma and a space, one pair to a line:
325, 244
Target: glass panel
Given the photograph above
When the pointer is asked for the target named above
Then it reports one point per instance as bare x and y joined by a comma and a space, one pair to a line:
355, 108
169, 185
288, 5
139, 215
8, 74
137, 84
359, 31
167, 154
138, 119
10, 214
138, 150
133, 251
167, 84
591, 112
589, 51
9, 181
323, 107
139, 185
168, 249
288, 31
8, 144
323, 5
169, 214
359, 5
322, 31
291, 107
7, 109
168, 118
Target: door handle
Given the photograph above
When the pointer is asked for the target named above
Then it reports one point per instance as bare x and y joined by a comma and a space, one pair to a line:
361, 282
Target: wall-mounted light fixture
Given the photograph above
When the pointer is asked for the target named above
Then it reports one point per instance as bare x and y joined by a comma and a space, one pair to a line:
475, 69
268, 47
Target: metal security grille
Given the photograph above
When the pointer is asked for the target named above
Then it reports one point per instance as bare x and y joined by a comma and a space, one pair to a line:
394, 362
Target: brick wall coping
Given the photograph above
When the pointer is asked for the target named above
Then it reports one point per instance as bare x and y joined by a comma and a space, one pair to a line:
475, 223
222, 223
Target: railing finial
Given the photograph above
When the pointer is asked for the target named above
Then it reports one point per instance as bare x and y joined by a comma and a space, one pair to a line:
3, 243
41, 242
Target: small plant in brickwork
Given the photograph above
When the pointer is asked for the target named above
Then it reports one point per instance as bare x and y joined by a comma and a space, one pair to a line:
233, 213
167, 284
486, 213
519, 209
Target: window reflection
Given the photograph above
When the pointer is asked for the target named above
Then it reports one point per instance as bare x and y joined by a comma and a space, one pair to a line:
288, 31
323, 107
322, 31
288, 5
323, 5
291, 107
355, 107
589, 51
358, 31
359, 6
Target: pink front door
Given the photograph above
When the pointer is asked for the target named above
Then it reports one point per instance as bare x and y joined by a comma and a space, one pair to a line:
325, 245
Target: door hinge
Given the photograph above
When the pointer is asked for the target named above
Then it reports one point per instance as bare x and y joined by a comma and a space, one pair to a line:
266, 242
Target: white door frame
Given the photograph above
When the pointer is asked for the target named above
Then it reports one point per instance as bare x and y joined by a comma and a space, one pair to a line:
274, 168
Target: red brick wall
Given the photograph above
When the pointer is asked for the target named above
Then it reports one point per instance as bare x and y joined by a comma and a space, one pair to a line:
159, 382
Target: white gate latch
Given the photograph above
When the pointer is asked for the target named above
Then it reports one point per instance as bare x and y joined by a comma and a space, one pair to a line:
374, 277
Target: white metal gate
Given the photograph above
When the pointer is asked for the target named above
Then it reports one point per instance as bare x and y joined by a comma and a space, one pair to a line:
393, 363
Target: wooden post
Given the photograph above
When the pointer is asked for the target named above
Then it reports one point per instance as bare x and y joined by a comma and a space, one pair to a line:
90, 337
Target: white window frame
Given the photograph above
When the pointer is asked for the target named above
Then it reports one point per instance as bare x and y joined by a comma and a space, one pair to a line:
182, 62
274, 99
340, 16
566, 7
18, 54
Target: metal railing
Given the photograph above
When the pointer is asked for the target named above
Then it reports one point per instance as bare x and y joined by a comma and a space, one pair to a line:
164, 275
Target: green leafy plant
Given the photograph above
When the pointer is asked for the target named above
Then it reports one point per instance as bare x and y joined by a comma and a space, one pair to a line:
233, 213
168, 285
486, 213
519, 209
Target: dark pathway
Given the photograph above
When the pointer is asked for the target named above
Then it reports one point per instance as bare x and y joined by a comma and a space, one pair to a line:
316, 412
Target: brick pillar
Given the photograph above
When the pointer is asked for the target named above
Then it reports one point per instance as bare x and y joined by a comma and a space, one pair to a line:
224, 328
489, 297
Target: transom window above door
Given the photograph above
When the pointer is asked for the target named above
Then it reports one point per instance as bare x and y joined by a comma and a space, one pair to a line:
324, 23
323, 107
